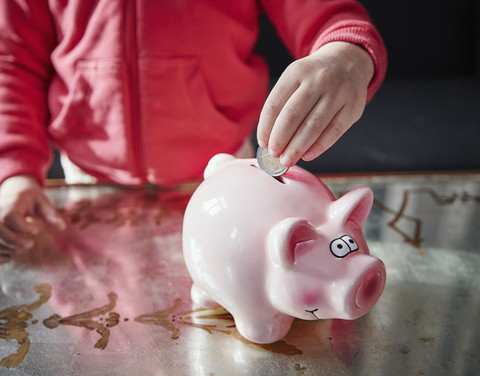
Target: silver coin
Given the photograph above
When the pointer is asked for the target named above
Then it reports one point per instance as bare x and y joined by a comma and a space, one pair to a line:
270, 164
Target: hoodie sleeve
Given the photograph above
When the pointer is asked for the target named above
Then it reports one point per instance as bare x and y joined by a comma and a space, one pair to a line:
306, 25
27, 37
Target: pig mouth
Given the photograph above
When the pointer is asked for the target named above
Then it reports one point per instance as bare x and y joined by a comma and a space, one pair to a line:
312, 311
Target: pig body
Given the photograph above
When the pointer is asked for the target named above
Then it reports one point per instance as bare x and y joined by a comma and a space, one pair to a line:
271, 250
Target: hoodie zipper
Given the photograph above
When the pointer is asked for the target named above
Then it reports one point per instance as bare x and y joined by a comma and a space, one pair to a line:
133, 95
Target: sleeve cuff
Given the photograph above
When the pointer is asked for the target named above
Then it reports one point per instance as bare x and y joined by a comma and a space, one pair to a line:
361, 33
24, 162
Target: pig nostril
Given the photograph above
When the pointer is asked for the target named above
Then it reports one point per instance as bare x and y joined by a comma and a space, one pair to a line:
369, 291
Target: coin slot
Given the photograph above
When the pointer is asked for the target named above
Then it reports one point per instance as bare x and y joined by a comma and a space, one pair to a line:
279, 178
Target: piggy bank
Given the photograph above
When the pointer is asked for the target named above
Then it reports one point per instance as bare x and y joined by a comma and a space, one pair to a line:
273, 249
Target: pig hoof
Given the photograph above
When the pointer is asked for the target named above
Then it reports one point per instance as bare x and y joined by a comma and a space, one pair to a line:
202, 299
264, 332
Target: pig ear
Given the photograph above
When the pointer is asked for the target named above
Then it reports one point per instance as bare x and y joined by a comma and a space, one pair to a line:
216, 163
284, 238
353, 206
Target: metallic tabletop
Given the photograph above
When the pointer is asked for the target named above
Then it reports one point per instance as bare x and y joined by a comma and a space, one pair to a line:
110, 295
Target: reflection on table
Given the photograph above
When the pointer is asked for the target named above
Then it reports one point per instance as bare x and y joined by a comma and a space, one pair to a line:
111, 294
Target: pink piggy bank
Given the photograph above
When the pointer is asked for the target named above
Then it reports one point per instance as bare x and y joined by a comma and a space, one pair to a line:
270, 250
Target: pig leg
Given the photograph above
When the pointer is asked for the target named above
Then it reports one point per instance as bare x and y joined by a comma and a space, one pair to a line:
263, 329
201, 298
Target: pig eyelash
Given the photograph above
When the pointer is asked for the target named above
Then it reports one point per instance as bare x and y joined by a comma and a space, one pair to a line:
343, 246
313, 312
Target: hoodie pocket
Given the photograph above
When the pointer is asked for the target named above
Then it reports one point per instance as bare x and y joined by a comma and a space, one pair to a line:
91, 124
180, 109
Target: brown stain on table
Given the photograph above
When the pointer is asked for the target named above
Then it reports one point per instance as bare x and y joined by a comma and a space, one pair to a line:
415, 238
86, 320
171, 320
13, 324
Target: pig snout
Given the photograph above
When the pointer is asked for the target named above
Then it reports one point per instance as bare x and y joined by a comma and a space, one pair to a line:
367, 288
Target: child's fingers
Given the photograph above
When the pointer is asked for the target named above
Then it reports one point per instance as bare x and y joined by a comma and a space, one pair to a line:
20, 224
291, 118
309, 130
11, 240
274, 104
330, 135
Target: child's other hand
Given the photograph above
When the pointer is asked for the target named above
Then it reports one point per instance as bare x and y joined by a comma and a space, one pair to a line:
315, 102
22, 205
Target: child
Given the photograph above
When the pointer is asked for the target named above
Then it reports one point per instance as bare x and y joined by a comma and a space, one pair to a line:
137, 92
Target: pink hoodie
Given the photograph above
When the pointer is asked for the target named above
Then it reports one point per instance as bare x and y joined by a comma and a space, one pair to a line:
147, 91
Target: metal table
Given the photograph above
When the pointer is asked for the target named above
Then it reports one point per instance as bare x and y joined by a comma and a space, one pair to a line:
111, 295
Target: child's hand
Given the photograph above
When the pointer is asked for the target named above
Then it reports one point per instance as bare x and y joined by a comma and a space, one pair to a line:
22, 205
315, 102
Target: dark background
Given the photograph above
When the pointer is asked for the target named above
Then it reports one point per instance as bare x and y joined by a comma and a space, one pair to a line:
426, 115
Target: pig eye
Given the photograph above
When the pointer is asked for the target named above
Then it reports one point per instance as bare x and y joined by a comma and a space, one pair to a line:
343, 246
352, 244
339, 248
